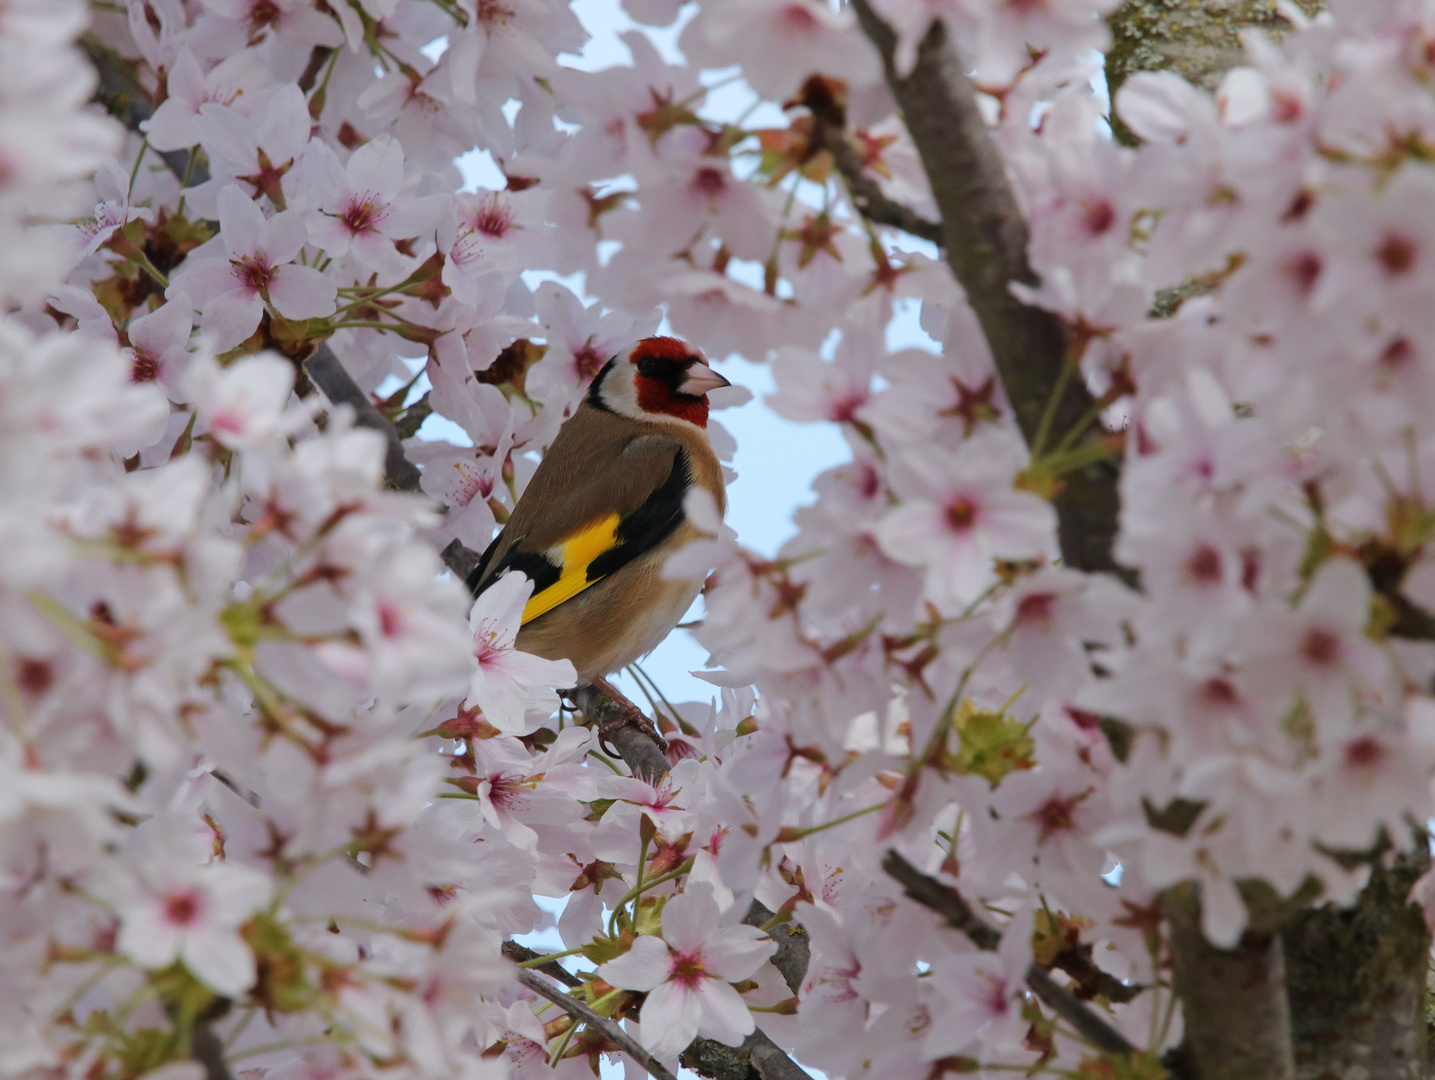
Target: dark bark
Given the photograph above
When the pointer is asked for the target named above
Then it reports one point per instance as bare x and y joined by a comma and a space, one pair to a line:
793, 947
325, 372
1356, 978
1237, 1019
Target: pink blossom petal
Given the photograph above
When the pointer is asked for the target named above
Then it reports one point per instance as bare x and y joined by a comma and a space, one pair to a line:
734, 953
282, 237
671, 1018
220, 959
240, 221
301, 293
231, 318
643, 967
724, 1014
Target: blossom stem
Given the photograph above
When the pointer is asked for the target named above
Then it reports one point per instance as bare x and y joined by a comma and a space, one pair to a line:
638, 890
1079, 428
1053, 400
637, 887
788, 834
557, 1055
139, 160
1058, 464
703, 91
539, 960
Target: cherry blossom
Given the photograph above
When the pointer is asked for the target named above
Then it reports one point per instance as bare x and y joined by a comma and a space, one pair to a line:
686, 973
963, 514
169, 911
251, 747
510, 686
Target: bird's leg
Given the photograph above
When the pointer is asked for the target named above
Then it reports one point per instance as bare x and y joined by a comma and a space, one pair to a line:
629, 715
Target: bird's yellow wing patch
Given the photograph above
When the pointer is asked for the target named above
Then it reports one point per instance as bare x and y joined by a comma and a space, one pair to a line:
577, 554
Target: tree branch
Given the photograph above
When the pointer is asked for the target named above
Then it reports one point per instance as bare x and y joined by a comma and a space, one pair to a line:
325, 372
953, 907
610, 1029
521, 954
794, 950
829, 132
637, 749
985, 239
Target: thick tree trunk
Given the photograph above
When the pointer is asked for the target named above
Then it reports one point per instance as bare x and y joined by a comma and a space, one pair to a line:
1233, 1001
1356, 981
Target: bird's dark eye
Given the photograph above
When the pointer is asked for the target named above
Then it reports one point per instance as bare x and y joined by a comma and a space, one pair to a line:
650, 366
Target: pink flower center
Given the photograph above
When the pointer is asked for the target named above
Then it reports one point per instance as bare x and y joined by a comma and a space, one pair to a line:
494, 220
491, 13
1286, 107
1320, 647
1364, 753
1397, 354
796, 20
362, 215
996, 999
509, 791
1204, 565
391, 621
1304, 270
255, 273
1099, 217
1056, 815
1219, 692
688, 970
263, 13
145, 367
587, 361
472, 484
1036, 609
1396, 254
183, 908
709, 181
486, 648
844, 409
962, 514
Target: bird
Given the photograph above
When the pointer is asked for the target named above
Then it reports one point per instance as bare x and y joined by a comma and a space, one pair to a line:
604, 511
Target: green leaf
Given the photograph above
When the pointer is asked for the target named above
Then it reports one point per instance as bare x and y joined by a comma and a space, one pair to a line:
283, 984
992, 744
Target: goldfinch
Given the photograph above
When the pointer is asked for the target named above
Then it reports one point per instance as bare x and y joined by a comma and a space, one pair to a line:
605, 510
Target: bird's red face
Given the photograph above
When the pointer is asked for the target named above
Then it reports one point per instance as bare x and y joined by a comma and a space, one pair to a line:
661, 378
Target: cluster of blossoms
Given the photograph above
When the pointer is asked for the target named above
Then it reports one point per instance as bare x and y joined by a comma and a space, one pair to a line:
271, 785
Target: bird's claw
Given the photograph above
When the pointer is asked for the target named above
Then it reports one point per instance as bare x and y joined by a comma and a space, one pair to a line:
629, 715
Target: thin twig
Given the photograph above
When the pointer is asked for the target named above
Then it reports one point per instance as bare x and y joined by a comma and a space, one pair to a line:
959, 915
610, 1029
867, 195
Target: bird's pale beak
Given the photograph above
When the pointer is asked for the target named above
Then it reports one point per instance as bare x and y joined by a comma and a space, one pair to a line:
701, 379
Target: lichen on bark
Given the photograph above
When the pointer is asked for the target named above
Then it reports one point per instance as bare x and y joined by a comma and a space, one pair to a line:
1200, 40
1356, 980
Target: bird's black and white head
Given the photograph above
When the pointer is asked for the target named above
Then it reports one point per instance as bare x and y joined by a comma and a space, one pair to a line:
658, 378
